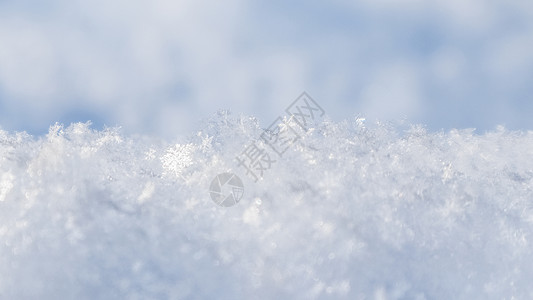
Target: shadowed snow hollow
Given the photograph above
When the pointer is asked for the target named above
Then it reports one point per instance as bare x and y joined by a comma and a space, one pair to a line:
351, 211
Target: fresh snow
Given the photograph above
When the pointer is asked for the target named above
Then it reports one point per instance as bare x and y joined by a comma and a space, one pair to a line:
351, 211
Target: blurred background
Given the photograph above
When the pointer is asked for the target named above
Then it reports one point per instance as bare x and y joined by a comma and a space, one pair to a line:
158, 67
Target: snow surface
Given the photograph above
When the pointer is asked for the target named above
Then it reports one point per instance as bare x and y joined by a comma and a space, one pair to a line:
353, 211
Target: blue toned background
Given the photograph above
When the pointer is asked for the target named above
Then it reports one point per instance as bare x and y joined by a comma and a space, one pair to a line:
158, 67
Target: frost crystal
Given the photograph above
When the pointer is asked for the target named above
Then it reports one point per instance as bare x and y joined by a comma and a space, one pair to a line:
178, 158
352, 210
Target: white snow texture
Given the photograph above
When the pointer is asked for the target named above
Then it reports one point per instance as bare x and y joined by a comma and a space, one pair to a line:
351, 211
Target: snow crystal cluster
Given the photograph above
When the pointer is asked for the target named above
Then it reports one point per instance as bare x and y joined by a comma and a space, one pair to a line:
351, 211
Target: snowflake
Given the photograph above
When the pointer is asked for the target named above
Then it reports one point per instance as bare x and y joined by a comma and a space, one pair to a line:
178, 158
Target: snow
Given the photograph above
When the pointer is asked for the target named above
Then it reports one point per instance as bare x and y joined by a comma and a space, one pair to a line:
351, 211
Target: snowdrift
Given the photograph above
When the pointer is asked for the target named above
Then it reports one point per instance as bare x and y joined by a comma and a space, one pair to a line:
351, 211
